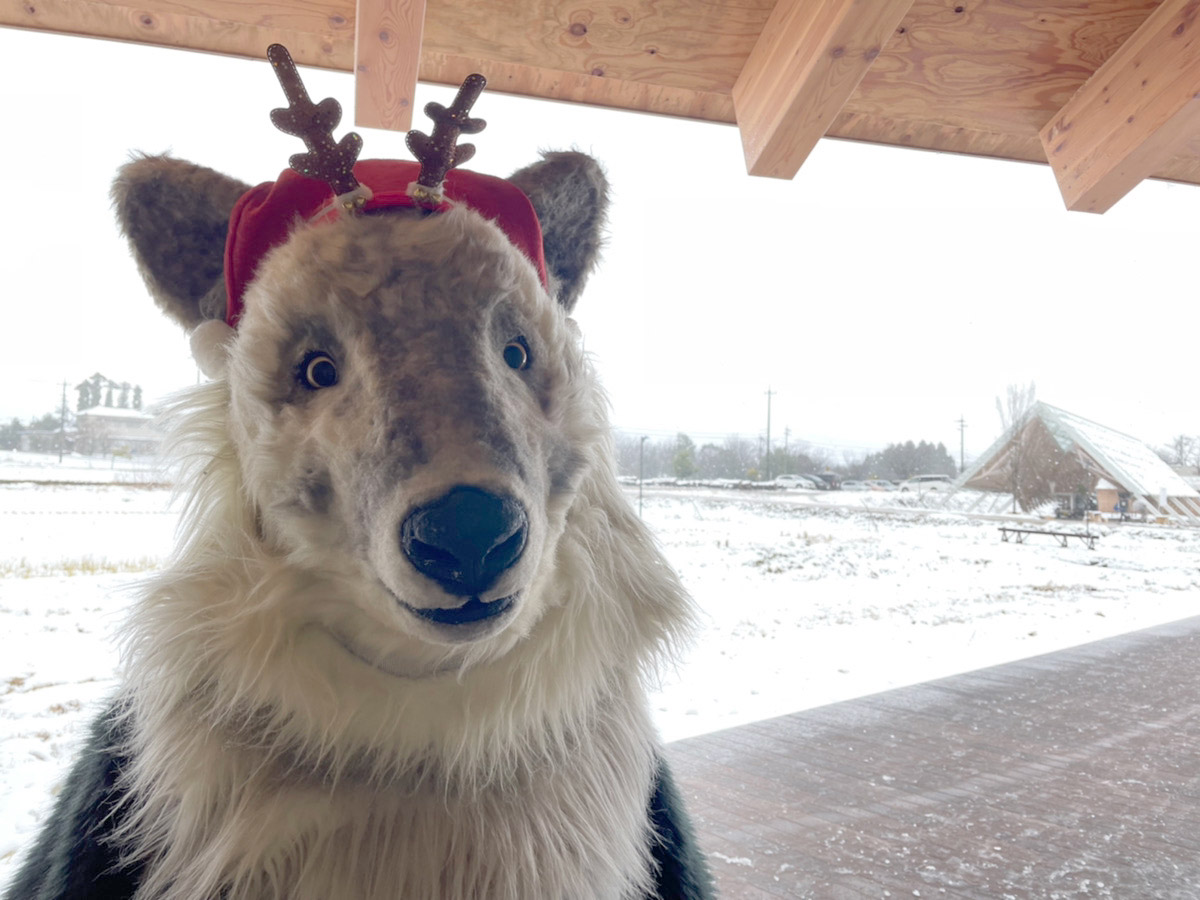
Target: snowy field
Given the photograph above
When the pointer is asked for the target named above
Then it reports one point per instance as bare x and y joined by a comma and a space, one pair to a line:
806, 598
46, 468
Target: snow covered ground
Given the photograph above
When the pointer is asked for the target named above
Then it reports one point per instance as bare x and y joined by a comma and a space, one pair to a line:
46, 467
806, 598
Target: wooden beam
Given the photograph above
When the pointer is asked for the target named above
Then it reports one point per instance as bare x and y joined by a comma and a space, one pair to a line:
807, 62
315, 35
387, 55
971, 77
1138, 110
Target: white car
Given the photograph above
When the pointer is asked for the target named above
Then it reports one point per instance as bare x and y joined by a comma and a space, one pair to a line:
794, 481
855, 486
927, 483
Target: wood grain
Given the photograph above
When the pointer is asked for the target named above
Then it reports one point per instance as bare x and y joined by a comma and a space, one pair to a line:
1138, 110
809, 59
963, 76
1003, 67
533, 81
315, 33
387, 55
694, 45
1024, 780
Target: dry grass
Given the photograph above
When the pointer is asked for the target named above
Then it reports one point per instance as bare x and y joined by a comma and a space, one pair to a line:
82, 565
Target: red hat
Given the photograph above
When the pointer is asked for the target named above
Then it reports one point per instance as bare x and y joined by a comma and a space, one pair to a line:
264, 216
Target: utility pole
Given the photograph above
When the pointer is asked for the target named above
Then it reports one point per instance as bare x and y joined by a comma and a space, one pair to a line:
62, 423
962, 426
767, 456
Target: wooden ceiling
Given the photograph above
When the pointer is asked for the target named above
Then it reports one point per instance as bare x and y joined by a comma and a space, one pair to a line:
1105, 90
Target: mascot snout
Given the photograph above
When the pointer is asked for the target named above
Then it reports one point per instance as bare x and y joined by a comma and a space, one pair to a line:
466, 539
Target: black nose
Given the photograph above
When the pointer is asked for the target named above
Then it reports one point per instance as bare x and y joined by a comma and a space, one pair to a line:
465, 539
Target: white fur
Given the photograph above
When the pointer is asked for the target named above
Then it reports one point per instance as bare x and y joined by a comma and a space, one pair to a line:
298, 735
210, 342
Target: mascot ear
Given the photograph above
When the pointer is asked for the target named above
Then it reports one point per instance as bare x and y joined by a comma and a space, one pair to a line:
176, 215
569, 192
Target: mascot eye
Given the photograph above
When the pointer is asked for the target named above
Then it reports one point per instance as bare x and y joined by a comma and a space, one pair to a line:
318, 371
516, 354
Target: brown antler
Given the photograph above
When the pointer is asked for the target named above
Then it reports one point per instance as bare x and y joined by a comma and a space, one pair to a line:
325, 160
441, 153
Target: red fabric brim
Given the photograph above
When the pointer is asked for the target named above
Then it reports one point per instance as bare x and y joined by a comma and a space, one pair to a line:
264, 216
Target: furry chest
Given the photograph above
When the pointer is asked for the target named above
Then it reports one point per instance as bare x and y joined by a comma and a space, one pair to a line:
571, 831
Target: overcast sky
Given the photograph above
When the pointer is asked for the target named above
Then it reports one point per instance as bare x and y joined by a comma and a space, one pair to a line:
881, 294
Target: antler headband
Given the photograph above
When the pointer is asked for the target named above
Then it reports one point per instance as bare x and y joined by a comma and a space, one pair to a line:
265, 215
325, 160
442, 152
333, 162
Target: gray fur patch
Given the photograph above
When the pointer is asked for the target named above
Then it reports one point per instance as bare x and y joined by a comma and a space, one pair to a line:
566, 465
569, 191
176, 216
315, 492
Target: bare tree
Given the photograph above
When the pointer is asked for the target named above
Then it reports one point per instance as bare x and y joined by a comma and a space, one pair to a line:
854, 463
1016, 403
1014, 409
1183, 450
740, 456
629, 450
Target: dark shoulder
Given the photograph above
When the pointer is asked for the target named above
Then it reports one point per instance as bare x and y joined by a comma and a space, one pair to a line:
74, 856
682, 870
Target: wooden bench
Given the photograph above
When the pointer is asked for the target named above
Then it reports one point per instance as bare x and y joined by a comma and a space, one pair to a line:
1063, 536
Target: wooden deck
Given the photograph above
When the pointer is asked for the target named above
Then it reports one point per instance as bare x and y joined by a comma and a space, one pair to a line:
1075, 774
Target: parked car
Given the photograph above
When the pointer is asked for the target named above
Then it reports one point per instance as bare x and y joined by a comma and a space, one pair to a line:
853, 485
795, 481
825, 481
878, 484
927, 483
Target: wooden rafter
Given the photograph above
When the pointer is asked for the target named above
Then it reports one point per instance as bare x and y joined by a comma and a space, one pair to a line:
387, 55
979, 77
1137, 111
807, 62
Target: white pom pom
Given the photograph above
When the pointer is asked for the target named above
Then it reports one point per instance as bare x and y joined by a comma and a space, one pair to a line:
210, 347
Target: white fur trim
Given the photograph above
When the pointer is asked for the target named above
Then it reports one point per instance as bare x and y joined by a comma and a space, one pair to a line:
210, 347
351, 201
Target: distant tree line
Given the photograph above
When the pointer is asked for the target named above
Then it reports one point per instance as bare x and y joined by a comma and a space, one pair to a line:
741, 458
900, 461
10, 434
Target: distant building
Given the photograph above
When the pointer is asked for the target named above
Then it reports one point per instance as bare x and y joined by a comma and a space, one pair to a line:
105, 430
1052, 454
